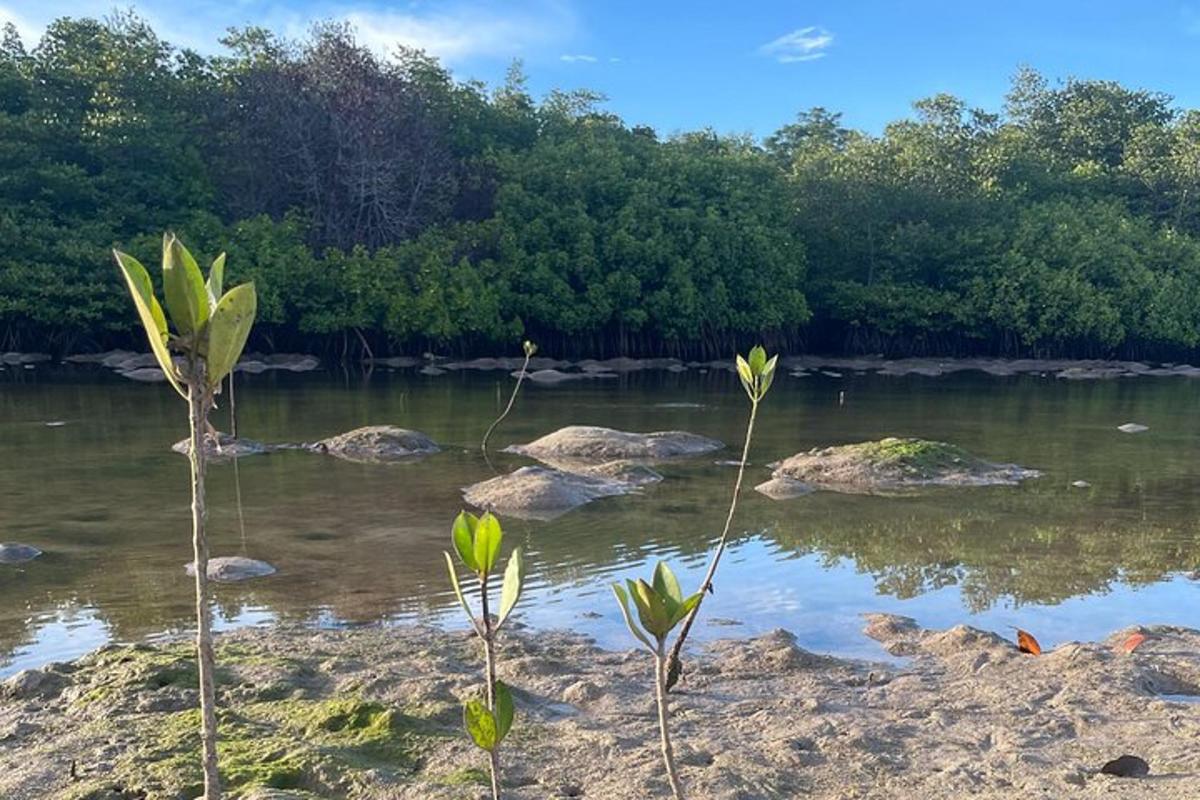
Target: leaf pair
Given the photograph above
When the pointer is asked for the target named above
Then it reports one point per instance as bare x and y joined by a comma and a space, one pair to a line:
757, 372
530, 348
486, 727
209, 324
660, 605
477, 542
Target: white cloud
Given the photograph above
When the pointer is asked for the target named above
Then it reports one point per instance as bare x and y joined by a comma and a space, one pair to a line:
578, 57
802, 44
453, 31
28, 30
466, 31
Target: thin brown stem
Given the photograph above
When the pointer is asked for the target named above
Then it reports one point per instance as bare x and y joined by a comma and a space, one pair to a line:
511, 400
494, 763
232, 408
664, 731
198, 404
489, 657
673, 663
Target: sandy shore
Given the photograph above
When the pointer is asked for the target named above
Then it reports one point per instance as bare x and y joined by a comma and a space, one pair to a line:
374, 713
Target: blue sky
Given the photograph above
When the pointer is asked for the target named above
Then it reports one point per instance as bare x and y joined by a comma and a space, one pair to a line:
735, 66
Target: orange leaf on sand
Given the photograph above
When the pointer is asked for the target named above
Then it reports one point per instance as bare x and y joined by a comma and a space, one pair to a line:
1133, 642
1027, 644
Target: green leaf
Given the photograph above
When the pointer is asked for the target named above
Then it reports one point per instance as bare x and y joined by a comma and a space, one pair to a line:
530, 348
228, 330
767, 378
480, 724
458, 592
487, 542
505, 711
623, 600
652, 611
685, 608
463, 534
758, 360
183, 285
216, 280
514, 582
666, 584
746, 375
150, 313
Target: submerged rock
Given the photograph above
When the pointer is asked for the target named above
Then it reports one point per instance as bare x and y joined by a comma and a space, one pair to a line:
376, 444
544, 493
17, 359
230, 569
892, 464
625, 364
144, 374
395, 362
553, 376
592, 443
292, 362
15, 553
784, 488
223, 446
628, 472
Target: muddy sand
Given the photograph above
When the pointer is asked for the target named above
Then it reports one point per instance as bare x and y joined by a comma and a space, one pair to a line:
374, 713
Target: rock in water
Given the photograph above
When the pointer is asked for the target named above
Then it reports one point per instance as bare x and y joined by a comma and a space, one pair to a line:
592, 443
14, 553
223, 446
1133, 427
144, 375
542, 493
1127, 766
893, 465
229, 569
784, 488
377, 444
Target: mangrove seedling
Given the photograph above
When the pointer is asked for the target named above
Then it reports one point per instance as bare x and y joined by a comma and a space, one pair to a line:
477, 542
660, 607
530, 350
756, 373
208, 331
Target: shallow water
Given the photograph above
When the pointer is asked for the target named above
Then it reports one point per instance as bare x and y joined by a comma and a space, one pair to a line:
106, 499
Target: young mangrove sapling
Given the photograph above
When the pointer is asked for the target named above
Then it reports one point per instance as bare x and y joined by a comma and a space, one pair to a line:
210, 330
530, 349
660, 607
477, 542
756, 373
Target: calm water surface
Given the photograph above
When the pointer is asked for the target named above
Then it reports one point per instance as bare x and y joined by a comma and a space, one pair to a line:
106, 499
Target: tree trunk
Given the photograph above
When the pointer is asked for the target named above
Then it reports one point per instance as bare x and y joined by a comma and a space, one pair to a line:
198, 418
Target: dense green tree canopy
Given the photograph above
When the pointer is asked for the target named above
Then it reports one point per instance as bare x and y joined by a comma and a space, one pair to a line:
379, 202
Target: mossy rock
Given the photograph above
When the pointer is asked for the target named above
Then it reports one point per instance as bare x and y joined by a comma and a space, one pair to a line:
895, 465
